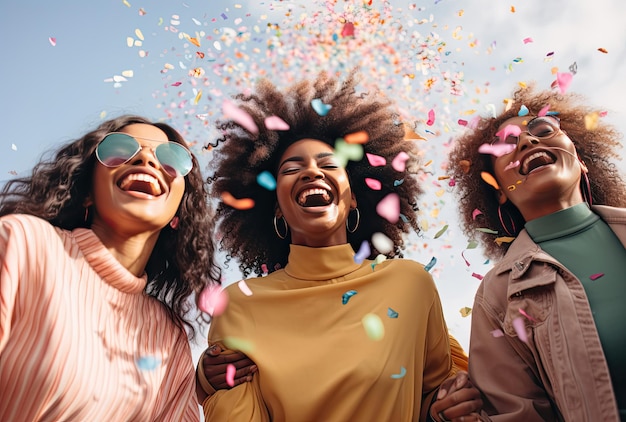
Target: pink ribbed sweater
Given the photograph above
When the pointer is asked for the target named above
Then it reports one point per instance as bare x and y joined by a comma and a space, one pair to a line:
79, 340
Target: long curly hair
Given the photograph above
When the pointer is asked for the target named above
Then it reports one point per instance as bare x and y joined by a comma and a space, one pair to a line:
181, 263
596, 148
248, 235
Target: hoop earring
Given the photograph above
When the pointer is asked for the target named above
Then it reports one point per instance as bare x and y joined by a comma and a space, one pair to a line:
585, 187
86, 215
512, 232
281, 236
358, 220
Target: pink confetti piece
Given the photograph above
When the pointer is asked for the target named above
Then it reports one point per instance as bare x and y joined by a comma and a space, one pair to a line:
512, 165
596, 276
476, 213
375, 160
528, 40
465, 259
176, 84
497, 333
231, 111
230, 374
478, 276
563, 81
53, 41
389, 208
544, 110
347, 30
244, 288
431, 117
373, 183
520, 329
462, 122
508, 130
264, 268
523, 312
213, 300
399, 162
497, 150
275, 123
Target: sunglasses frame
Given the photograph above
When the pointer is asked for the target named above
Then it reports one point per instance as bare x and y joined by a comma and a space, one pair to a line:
497, 140
140, 147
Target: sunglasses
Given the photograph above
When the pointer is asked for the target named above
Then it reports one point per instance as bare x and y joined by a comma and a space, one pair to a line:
119, 148
542, 127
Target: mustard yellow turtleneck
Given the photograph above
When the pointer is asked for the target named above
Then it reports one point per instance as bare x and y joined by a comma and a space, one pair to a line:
318, 361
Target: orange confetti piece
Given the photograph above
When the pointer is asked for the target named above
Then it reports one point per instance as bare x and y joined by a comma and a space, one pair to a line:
512, 9
194, 41
465, 165
239, 204
360, 137
591, 121
409, 133
504, 239
489, 179
603, 50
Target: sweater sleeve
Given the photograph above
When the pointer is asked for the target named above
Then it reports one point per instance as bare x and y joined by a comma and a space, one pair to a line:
510, 389
177, 400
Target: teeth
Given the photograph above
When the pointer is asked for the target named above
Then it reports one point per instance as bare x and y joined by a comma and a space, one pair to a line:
532, 157
306, 193
142, 177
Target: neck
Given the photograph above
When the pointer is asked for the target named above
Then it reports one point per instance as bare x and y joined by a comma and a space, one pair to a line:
532, 212
132, 251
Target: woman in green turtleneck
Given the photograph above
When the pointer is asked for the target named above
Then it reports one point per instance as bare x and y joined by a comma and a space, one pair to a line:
336, 335
548, 329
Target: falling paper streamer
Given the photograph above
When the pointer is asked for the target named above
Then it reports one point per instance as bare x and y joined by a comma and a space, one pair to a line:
266, 180
520, 328
213, 300
504, 239
231, 111
374, 327
363, 252
347, 295
401, 374
523, 111
431, 264
478, 276
243, 286
389, 208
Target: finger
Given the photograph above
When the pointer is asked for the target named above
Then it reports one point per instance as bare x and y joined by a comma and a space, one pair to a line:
225, 358
213, 350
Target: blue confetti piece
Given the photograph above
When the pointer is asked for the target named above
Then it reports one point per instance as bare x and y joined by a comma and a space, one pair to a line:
398, 182
363, 253
347, 295
147, 363
431, 264
266, 180
319, 107
391, 313
429, 131
552, 113
523, 111
400, 375
403, 217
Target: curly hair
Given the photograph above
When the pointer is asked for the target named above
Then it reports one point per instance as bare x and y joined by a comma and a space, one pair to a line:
248, 235
596, 148
181, 263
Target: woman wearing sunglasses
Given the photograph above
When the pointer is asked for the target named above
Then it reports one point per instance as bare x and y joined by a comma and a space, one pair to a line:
101, 249
548, 331
338, 332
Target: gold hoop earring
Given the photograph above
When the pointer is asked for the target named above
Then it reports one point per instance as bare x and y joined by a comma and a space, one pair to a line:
358, 220
281, 236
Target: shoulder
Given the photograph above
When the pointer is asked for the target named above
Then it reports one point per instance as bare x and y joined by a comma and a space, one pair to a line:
26, 226
406, 269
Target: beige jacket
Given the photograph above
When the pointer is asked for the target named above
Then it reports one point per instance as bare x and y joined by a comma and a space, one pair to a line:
560, 373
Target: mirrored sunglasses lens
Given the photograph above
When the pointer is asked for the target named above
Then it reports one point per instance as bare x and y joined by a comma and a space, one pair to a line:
116, 148
174, 158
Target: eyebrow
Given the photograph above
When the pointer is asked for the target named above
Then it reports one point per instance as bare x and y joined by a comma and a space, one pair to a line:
299, 158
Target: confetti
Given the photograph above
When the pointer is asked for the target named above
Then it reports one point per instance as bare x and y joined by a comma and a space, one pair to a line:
380, 258
14, 147
391, 313
528, 40
382, 243
603, 50
523, 312
345, 151
363, 252
231, 111
504, 239
243, 286
431, 264
497, 150
373, 183
275, 123
489, 179
520, 329
266, 180
512, 165
477, 276
592, 120
476, 213
236, 343
389, 208
465, 311
596, 276
213, 300
401, 374
319, 107
230, 374
53, 41
523, 111
486, 230
374, 327
431, 117
147, 363
399, 162
440, 232
360, 137
563, 81
347, 295
497, 333
375, 160
239, 204
347, 30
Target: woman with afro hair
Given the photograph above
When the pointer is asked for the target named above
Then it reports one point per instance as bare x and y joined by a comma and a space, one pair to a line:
335, 335
101, 249
548, 331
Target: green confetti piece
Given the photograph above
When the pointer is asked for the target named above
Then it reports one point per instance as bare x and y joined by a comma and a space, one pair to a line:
374, 327
442, 231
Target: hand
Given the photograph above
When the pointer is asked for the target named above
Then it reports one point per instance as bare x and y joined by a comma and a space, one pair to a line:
457, 400
214, 363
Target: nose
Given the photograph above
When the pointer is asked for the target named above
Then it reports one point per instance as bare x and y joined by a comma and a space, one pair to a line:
146, 156
312, 172
526, 140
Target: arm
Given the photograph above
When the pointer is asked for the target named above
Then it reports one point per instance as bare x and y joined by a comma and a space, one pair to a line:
510, 386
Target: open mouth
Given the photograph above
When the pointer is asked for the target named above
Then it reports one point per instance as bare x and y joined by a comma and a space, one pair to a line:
315, 198
141, 182
536, 160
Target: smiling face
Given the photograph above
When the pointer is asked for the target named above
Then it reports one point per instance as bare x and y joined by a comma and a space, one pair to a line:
138, 196
541, 174
314, 194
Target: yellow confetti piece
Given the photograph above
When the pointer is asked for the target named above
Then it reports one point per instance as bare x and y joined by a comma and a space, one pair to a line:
130, 41
198, 96
465, 312
504, 239
128, 73
592, 120
103, 114
194, 41
139, 34
374, 327
126, 3
440, 193
168, 66
489, 179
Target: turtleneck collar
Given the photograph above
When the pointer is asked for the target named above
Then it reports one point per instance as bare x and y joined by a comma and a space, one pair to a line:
105, 264
561, 223
319, 264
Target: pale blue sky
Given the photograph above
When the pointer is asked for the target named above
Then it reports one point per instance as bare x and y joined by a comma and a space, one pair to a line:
52, 94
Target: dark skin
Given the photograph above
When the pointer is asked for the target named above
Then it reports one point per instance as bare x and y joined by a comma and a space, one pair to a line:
214, 363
